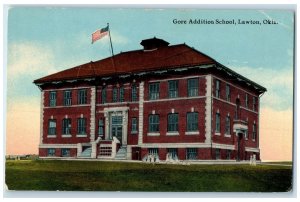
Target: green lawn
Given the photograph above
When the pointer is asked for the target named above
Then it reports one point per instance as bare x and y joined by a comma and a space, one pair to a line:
118, 176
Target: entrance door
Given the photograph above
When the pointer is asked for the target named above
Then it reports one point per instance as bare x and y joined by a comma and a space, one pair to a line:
117, 132
117, 127
241, 147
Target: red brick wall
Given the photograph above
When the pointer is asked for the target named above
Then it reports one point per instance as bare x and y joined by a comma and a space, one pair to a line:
181, 107
60, 95
43, 152
204, 153
59, 114
224, 108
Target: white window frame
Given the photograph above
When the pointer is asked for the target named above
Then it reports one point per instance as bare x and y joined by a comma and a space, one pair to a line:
193, 87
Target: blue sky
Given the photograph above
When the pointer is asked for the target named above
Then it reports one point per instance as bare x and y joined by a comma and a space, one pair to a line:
61, 37
44, 40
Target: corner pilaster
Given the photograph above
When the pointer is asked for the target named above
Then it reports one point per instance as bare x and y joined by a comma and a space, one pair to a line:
42, 116
93, 114
141, 112
208, 109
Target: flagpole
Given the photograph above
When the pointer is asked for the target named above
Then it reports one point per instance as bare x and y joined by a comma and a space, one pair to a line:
112, 50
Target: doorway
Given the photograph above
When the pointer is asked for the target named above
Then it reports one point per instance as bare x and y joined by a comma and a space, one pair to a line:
117, 127
241, 147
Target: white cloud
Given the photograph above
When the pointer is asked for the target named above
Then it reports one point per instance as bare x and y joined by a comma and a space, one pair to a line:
118, 38
29, 58
279, 84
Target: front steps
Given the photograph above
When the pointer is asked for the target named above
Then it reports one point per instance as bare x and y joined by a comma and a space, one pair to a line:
86, 153
122, 153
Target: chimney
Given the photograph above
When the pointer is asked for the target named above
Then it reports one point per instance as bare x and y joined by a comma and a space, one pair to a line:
153, 44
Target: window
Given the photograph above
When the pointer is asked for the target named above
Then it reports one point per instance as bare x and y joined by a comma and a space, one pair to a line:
51, 152
254, 131
82, 96
228, 93
193, 87
228, 154
81, 126
133, 93
154, 123
134, 125
154, 91
52, 127
122, 94
254, 103
153, 151
52, 99
115, 94
192, 121
66, 126
67, 98
191, 153
218, 121
246, 101
217, 153
65, 152
173, 89
227, 125
172, 152
172, 122
101, 127
103, 95
217, 93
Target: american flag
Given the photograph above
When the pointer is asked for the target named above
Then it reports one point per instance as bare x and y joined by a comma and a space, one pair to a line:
98, 34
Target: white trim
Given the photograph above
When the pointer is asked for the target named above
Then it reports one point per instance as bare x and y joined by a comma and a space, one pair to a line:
172, 133
141, 113
105, 145
62, 89
227, 135
177, 78
192, 133
175, 145
241, 107
251, 149
115, 109
58, 157
153, 134
81, 135
42, 117
62, 106
116, 103
223, 146
208, 109
174, 99
93, 117
238, 126
217, 134
66, 135
57, 146
51, 136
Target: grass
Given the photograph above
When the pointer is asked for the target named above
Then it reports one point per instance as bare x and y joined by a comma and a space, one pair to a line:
119, 176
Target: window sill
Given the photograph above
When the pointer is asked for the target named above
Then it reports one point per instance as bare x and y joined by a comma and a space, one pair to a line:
81, 135
153, 134
192, 133
134, 132
227, 135
218, 134
66, 135
51, 136
172, 133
